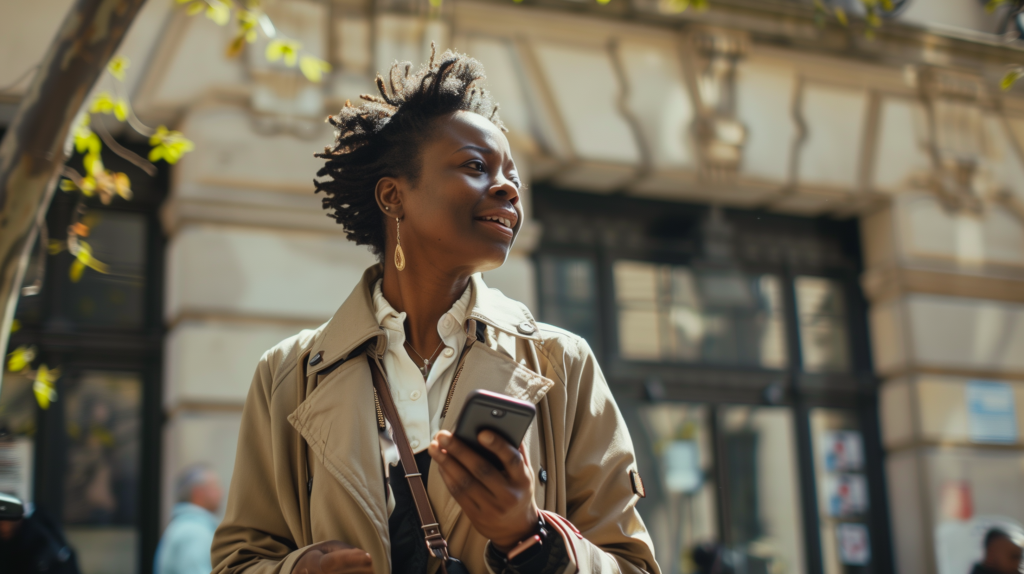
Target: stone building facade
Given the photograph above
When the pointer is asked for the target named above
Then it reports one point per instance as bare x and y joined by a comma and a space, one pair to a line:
821, 233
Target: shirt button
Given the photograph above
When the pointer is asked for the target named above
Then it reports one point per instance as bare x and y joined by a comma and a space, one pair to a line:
448, 351
414, 444
414, 395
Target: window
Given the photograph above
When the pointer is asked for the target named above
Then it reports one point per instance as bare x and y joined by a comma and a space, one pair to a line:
762, 486
88, 456
735, 345
821, 311
102, 414
569, 290
843, 493
114, 299
672, 312
684, 480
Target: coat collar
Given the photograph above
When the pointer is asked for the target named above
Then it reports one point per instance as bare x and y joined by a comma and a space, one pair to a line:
355, 323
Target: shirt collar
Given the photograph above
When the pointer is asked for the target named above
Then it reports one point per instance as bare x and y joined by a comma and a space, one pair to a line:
389, 318
355, 322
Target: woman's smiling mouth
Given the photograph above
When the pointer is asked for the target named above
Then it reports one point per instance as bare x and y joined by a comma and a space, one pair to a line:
502, 220
499, 223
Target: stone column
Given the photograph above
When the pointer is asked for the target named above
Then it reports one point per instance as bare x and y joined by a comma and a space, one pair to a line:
947, 316
252, 259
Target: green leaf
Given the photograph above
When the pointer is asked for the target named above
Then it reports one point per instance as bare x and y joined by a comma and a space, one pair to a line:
117, 67
218, 11
235, 47
841, 16
92, 163
282, 48
1011, 78
313, 68
103, 103
169, 145
993, 5
86, 141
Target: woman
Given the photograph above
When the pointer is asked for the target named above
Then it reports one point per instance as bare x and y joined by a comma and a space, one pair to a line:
423, 175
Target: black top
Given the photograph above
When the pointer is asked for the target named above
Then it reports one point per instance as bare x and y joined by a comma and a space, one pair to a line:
409, 550
980, 568
37, 547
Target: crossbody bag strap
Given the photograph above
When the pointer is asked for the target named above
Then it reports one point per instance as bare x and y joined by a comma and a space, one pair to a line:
436, 543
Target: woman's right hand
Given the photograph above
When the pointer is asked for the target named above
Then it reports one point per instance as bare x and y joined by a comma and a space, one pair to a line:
333, 557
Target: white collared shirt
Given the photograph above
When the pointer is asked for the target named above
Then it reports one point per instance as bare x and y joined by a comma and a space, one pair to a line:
419, 403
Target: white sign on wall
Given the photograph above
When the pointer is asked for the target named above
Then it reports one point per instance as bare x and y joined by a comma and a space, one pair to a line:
842, 451
16, 467
854, 546
990, 412
847, 494
682, 467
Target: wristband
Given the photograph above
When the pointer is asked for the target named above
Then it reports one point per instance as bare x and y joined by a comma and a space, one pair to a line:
535, 540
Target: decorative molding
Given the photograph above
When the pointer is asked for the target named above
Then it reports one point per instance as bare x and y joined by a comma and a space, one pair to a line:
914, 369
954, 104
885, 284
720, 136
917, 444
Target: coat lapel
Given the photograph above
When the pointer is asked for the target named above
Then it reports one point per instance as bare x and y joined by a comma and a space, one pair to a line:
339, 422
338, 418
488, 370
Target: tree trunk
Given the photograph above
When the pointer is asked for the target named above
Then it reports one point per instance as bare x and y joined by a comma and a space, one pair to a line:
33, 150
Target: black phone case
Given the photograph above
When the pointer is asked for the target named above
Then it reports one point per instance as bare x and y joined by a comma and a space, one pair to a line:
508, 417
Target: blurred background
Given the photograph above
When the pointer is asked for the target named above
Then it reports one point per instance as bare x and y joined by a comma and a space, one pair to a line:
791, 230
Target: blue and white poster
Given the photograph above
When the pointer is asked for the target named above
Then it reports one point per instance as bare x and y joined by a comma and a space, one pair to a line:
991, 416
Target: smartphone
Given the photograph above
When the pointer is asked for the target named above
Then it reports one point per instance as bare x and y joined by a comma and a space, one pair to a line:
508, 417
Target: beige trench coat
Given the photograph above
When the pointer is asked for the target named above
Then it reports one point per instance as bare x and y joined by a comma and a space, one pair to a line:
299, 423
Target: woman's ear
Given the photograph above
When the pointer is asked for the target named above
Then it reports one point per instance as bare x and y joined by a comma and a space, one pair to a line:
389, 197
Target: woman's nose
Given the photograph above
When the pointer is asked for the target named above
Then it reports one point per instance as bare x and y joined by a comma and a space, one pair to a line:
505, 189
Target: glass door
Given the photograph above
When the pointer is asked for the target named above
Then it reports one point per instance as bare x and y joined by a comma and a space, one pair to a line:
683, 511
103, 425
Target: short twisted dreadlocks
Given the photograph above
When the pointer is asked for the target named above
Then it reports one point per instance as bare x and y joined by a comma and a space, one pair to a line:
382, 138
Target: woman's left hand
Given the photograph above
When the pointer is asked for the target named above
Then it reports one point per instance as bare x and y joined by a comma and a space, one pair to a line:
499, 503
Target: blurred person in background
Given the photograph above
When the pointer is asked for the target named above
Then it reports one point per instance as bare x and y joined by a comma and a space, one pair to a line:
35, 544
185, 546
1003, 554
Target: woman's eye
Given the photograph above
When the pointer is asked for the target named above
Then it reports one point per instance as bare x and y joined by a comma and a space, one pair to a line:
477, 165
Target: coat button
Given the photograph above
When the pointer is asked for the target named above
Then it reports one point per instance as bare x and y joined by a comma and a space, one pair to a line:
448, 351
414, 395
414, 444
526, 328
543, 475
315, 359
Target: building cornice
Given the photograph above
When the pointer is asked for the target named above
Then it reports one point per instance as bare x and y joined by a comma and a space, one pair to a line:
792, 25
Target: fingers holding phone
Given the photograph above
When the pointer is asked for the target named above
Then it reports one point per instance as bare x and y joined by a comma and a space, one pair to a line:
485, 472
499, 502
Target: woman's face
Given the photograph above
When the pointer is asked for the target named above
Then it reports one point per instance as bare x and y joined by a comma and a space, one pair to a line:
464, 211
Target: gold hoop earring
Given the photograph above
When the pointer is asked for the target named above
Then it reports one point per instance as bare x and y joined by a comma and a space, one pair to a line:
399, 254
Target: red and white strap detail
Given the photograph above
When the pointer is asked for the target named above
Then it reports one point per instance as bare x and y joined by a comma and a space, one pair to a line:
566, 530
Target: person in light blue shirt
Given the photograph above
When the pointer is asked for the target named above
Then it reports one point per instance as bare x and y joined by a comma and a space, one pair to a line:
185, 545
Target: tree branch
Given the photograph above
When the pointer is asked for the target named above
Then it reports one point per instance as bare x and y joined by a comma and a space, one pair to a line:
33, 150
